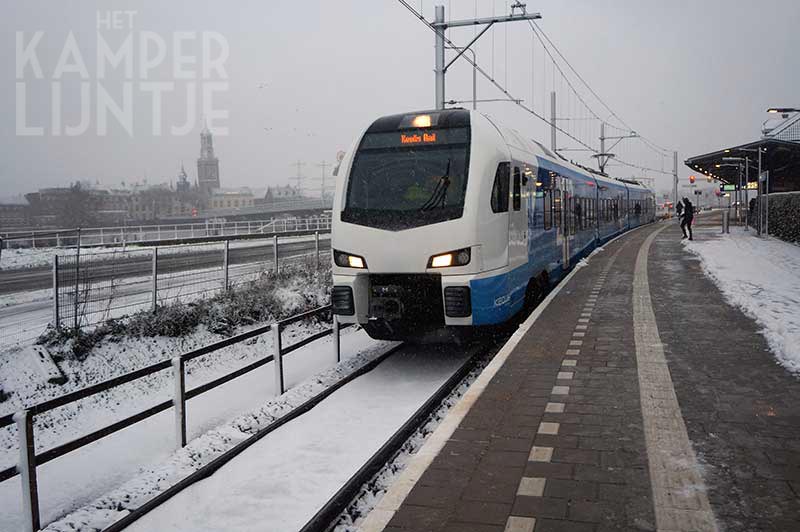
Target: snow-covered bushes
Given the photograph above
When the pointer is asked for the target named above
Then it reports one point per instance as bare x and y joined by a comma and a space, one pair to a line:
273, 296
784, 215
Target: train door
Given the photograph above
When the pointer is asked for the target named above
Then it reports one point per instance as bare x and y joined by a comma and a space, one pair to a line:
518, 219
567, 231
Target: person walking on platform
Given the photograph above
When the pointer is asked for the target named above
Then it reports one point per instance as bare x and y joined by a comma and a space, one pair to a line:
679, 215
688, 217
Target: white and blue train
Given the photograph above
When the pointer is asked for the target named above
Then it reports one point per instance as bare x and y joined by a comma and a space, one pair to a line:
446, 220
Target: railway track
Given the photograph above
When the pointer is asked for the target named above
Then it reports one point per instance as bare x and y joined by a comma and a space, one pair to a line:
18, 280
329, 508
332, 513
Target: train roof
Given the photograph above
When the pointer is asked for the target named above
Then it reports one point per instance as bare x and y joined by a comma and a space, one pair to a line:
556, 161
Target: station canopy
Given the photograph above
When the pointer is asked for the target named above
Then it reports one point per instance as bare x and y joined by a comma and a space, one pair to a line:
780, 155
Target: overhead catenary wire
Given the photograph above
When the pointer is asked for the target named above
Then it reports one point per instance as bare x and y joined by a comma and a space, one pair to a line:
584, 111
592, 91
491, 79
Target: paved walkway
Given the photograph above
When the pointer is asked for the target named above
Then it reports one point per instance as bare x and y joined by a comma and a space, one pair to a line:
637, 400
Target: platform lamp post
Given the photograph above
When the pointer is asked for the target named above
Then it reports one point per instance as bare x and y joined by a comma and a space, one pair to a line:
740, 161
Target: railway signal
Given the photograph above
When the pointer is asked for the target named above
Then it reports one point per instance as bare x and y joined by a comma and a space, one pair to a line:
692, 179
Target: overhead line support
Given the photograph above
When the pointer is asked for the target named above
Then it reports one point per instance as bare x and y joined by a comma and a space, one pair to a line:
439, 26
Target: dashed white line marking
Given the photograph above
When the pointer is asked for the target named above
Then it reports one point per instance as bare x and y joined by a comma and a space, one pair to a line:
564, 375
583, 320
554, 408
560, 390
581, 327
573, 352
679, 494
569, 363
531, 486
520, 524
579, 334
576, 342
540, 454
546, 427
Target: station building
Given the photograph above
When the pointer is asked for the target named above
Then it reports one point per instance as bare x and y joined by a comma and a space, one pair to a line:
776, 158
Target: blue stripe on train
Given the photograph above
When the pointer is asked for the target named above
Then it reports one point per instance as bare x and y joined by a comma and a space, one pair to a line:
496, 299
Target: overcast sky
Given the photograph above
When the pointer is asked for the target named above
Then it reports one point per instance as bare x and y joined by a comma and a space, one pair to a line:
302, 78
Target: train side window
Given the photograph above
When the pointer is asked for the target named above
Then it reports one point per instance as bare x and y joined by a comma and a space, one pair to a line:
557, 208
517, 197
574, 216
547, 206
500, 188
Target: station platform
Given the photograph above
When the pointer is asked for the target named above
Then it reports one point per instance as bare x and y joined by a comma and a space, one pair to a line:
634, 398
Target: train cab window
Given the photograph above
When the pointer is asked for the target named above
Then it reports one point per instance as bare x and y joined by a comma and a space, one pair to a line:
517, 197
500, 188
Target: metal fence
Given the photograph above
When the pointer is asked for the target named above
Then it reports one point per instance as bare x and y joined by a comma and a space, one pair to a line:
88, 289
134, 234
24, 420
92, 289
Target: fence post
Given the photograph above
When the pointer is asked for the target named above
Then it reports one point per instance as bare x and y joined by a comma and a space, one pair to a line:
27, 470
275, 251
76, 303
336, 346
278, 358
56, 317
316, 246
225, 266
154, 274
179, 401
58, 239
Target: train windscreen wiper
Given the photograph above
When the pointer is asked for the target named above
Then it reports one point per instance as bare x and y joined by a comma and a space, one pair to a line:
439, 195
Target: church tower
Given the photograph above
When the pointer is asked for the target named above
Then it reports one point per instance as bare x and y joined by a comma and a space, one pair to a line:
207, 164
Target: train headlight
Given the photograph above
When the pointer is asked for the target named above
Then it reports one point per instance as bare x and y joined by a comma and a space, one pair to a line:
346, 260
459, 257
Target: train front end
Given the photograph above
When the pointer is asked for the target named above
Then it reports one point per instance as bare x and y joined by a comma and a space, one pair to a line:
406, 234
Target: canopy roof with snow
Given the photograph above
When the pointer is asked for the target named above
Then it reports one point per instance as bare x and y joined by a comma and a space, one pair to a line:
780, 155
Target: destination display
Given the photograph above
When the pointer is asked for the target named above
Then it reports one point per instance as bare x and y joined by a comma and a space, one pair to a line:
415, 137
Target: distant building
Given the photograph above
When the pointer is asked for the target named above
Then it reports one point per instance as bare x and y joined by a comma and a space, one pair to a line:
207, 164
279, 194
183, 185
231, 199
14, 216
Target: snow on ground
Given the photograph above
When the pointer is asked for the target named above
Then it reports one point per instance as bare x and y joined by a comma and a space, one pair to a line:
760, 276
282, 481
102, 472
19, 258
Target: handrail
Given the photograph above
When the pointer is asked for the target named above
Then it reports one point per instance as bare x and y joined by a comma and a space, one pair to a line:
24, 418
164, 231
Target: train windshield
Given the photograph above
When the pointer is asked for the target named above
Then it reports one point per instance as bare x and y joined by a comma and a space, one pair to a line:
401, 180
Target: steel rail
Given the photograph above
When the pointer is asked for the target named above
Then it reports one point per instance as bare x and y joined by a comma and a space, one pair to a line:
208, 469
326, 518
